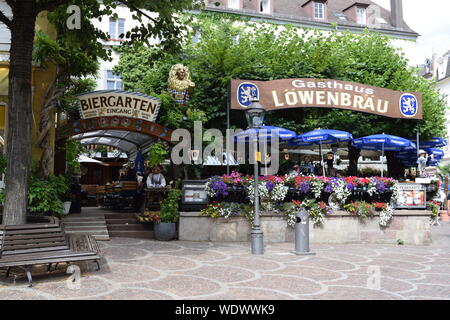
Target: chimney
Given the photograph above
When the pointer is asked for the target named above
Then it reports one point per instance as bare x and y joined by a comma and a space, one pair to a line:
397, 13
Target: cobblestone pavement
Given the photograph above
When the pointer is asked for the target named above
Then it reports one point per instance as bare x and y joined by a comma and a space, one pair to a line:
144, 269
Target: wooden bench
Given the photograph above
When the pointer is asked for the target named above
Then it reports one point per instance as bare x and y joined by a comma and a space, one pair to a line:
24, 246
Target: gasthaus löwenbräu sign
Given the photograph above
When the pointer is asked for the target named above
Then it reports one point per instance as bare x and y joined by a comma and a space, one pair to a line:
118, 103
325, 93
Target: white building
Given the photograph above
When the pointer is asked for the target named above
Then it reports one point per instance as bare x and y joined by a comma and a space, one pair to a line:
124, 22
438, 68
351, 15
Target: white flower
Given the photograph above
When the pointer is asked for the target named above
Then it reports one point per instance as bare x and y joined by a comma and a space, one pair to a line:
317, 187
341, 191
386, 216
396, 192
262, 189
279, 192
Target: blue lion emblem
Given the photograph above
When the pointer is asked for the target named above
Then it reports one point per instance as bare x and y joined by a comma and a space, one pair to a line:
408, 105
247, 91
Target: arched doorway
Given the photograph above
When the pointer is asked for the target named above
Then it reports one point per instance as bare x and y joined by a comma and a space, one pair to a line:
123, 133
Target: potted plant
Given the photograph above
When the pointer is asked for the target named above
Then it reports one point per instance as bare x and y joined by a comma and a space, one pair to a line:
165, 228
67, 203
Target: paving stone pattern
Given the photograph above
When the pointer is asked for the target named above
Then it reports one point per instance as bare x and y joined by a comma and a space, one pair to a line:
146, 269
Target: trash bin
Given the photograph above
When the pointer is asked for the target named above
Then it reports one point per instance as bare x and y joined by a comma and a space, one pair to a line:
302, 233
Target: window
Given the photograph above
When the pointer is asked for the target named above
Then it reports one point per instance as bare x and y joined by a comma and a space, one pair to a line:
116, 28
264, 6
233, 4
319, 10
113, 81
361, 15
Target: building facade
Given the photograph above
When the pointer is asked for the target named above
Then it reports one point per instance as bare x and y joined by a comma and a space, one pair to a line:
42, 78
437, 68
354, 16
349, 15
114, 26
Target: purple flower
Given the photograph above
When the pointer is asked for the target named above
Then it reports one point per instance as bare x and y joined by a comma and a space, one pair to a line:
350, 186
381, 188
305, 187
219, 187
329, 188
270, 185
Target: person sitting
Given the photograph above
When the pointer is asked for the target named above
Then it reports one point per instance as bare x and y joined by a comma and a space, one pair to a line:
156, 179
331, 171
307, 166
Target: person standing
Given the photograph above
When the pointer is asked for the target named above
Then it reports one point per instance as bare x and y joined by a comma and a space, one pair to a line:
422, 163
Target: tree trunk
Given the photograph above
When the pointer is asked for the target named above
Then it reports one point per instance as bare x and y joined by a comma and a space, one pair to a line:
45, 125
20, 108
353, 156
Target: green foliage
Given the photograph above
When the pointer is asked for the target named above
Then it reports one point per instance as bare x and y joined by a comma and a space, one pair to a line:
68, 101
73, 150
3, 164
45, 196
444, 171
170, 205
157, 154
229, 50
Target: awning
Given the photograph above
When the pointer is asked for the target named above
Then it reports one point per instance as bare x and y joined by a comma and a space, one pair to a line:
85, 159
125, 141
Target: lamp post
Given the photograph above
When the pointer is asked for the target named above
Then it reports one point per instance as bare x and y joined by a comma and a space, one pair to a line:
255, 118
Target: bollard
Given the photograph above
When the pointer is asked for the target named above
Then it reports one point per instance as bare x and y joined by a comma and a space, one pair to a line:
302, 233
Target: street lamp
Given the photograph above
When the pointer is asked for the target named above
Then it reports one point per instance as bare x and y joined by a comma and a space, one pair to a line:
255, 117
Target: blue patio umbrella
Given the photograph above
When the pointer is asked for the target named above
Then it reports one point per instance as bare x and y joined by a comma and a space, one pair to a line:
383, 142
433, 143
409, 158
320, 137
265, 133
139, 162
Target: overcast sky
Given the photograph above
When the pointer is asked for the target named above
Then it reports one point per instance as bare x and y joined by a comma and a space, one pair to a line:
431, 19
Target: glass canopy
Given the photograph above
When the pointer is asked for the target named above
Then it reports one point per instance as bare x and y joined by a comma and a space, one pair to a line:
126, 141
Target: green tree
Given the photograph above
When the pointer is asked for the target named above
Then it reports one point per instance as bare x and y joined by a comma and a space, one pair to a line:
165, 25
248, 50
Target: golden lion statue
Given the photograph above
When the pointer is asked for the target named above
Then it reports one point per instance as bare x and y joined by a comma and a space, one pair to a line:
180, 84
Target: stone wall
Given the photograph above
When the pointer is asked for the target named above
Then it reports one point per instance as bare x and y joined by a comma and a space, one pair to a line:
412, 227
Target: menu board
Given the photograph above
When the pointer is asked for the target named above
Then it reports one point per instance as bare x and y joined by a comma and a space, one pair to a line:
194, 192
412, 196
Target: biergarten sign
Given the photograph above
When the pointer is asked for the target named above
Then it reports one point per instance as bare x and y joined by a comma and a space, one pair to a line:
110, 103
325, 93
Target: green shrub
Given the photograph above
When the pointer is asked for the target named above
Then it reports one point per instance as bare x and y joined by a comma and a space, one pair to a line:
157, 154
169, 207
45, 196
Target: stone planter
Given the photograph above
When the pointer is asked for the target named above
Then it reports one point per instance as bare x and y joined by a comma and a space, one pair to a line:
411, 226
165, 231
